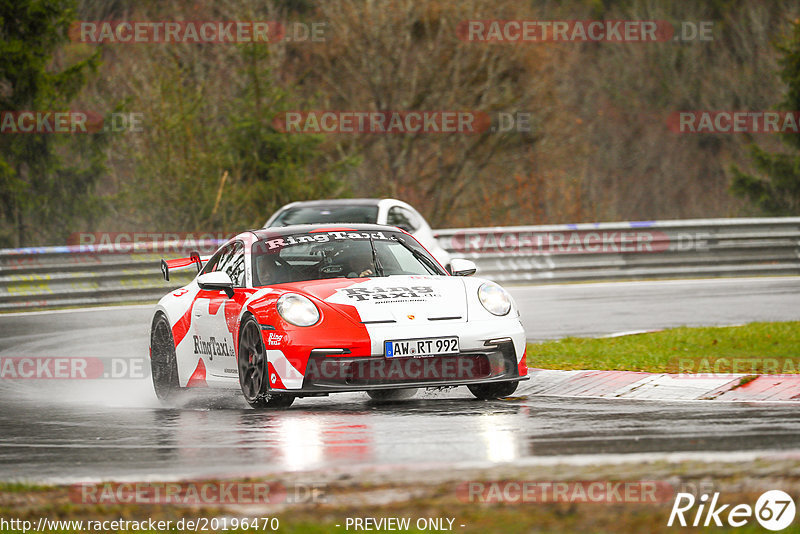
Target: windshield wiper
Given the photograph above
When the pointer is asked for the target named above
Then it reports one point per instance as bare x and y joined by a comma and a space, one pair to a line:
422, 258
375, 260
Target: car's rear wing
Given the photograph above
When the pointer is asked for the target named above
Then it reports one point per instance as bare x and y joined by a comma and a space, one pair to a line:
182, 263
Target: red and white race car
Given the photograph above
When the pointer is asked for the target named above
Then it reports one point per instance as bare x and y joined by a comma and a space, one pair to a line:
310, 310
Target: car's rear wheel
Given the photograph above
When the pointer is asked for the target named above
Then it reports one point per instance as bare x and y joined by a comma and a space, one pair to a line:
163, 362
493, 391
388, 395
253, 373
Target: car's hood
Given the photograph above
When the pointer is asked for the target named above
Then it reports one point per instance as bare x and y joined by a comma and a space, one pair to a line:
394, 298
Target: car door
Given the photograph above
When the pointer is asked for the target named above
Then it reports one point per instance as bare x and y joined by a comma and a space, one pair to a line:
215, 315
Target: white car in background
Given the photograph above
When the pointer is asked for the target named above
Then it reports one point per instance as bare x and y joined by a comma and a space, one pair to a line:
387, 211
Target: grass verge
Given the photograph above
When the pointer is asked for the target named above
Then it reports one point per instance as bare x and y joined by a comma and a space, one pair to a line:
755, 348
436, 499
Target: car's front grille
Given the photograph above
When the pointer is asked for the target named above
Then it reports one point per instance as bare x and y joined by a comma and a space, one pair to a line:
340, 373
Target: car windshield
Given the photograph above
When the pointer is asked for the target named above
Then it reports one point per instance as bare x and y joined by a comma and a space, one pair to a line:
279, 258
358, 214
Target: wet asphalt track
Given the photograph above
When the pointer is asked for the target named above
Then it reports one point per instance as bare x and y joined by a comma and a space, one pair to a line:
101, 429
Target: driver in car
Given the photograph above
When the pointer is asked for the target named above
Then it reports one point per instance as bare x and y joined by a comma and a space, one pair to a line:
360, 262
267, 270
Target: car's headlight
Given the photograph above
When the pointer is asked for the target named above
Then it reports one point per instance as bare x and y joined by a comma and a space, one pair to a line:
494, 298
298, 310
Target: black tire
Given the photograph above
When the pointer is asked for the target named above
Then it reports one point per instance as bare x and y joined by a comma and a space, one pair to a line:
163, 362
252, 363
390, 395
493, 391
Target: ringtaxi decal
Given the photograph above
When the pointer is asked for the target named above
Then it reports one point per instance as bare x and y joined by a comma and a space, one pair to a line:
774, 510
388, 293
212, 347
275, 339
320, 237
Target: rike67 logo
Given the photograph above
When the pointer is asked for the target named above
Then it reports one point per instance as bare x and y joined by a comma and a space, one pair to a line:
774, 510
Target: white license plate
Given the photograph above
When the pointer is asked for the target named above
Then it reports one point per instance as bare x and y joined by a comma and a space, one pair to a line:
421, 347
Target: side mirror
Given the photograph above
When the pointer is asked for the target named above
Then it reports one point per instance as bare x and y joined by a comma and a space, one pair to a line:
462, 267
218, 280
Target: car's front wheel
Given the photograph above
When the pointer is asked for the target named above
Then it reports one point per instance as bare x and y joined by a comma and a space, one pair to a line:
163, 362
253, 373
494, 390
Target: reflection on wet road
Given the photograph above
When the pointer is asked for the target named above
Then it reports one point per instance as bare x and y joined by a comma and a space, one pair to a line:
220, 437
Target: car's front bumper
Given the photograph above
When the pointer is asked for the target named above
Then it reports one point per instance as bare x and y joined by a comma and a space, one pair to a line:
330, 374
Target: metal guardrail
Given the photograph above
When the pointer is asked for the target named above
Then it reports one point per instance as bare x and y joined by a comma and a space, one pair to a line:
82, 275
46, 277
630, 250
